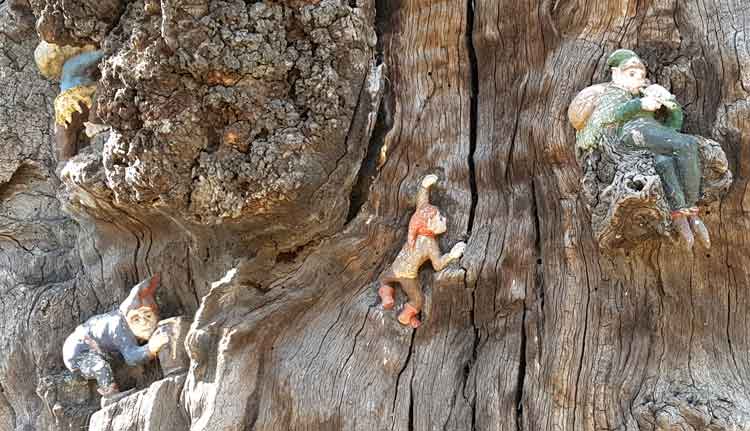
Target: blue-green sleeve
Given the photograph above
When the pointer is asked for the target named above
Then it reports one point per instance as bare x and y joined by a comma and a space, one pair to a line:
628, 110
675, 118
74, 72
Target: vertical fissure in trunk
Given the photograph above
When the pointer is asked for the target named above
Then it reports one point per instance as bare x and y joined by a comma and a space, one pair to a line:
521, 374
474, 102
361, 190
398, 381
539, 295
383, 122
473, 113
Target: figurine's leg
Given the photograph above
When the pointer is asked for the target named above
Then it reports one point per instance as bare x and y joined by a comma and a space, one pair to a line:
683, 149
67, 136
412, 308
682, 226
386, 290
688, 162
688, 165
95, 366
665, 167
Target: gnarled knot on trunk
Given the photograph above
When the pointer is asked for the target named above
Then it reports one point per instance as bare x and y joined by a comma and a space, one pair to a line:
626, 197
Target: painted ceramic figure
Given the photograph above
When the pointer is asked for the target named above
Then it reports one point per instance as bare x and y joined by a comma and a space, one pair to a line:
639, 116
76, 68
88, 350
421, 246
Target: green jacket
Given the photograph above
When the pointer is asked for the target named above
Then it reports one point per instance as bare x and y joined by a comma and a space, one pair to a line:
615, 108
632, 110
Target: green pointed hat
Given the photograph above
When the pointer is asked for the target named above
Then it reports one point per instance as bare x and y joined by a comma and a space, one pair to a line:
620, 56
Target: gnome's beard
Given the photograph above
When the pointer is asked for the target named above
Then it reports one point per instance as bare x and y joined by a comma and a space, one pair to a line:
142, 322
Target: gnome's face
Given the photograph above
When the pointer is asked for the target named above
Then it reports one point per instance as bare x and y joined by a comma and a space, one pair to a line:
631, 75
142, 321
437, 224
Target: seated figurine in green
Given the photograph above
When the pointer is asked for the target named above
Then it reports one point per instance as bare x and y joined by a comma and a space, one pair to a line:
638, 116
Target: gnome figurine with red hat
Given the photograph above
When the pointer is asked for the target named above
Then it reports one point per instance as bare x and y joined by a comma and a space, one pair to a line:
425, 224
128, 331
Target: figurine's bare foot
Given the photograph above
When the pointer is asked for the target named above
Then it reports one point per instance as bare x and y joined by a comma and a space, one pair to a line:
414, 322
386, 296
681, 225
408, 316
458, 250
700, 230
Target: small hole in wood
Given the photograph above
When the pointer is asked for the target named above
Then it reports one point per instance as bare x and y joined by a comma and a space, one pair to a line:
539, 261
636, 185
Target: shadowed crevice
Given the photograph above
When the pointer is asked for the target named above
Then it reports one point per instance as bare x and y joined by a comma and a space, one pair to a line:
474, 101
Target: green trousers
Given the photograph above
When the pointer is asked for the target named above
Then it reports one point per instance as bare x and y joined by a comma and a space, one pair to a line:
676, 159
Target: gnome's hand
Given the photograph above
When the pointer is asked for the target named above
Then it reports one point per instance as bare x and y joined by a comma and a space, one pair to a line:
429, 180
157, 341
458, 250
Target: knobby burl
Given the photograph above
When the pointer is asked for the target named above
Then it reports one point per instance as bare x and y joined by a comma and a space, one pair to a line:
638, 116
89, 350
421, 246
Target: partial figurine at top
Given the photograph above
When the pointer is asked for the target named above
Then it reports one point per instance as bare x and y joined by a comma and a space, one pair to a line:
90, 349
632, 116
77, 70
421, 246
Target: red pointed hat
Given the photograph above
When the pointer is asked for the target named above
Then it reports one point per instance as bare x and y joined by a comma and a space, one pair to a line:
142, 295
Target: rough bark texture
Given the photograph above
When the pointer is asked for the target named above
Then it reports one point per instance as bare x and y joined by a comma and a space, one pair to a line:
252, 162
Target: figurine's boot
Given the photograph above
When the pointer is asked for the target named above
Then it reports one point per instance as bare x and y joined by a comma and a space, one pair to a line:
681, 225
699, 229
386, 296
408, 316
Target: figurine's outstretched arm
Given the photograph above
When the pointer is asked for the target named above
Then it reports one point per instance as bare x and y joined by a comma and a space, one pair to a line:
440, 261
423, 195
75, 72
131, 351
135, 354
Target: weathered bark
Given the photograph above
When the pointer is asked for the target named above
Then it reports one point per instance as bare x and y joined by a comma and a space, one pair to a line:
243, 133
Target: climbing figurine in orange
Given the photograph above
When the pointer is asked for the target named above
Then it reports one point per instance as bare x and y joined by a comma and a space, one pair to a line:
421, 246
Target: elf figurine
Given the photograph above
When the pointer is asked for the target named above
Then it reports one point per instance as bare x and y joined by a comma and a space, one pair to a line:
77, 69
127, 331
641, 117
421, 246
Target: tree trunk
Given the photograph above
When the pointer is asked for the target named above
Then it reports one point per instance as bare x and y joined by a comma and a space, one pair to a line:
264, 158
